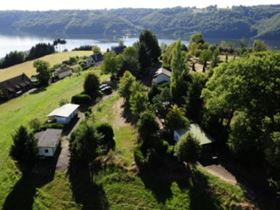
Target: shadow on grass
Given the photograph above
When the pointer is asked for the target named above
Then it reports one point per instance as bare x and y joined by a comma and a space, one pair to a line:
126, 114
201, 196
160, 179
38, 90
85, 191
23, 194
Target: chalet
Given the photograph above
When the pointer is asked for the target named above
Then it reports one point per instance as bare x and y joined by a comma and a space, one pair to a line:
162, 75
118, 49
196, 131
48, 142
64, 114
62, 72
15, 86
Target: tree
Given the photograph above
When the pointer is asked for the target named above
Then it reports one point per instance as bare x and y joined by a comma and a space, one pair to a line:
179, 70
11, 59
144, 56
24, 149
149, 40
43, 70
129, 61
197, 38
111, 63
187, 149
96, 49
35, 124
107, 139
215, 58
139, 102
147, 125
175, 119
259, 46
83, 144
125, 84
204, 57
91, 85
40, 50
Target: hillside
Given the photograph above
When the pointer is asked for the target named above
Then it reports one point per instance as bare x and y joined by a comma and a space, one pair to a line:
238, 22
28, 68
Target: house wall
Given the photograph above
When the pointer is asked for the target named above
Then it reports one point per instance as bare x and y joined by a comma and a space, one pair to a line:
161, 78
64, 74
46, 151
66, 120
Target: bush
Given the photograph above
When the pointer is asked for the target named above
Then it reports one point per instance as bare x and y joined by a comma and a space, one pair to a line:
82, 99
139, 157
52, 125
107, 141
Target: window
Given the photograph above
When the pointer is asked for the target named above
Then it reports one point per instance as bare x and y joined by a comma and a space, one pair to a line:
46, 151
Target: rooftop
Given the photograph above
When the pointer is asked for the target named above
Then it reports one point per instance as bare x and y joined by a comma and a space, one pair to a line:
197, 132
48, 138
163, 71
64, 111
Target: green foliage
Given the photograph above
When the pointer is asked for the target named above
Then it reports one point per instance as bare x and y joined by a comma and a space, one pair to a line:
259, 46
197, 38
167, 54
204, 57
91, 85
147, 125
129, 61
24, 149
143, 56
175, 119
111, 63
107, 141
125, 85
11, 59
35, 124
83, 144
187, 149
149, 40
40, 50
82, 99
43, 70
96, 49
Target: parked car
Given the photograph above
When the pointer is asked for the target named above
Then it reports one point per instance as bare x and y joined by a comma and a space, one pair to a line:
105, 89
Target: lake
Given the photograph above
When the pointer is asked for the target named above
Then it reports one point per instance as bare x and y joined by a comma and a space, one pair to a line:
24, 43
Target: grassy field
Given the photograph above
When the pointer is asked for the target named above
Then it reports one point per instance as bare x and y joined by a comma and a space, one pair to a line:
28, 68
20, 111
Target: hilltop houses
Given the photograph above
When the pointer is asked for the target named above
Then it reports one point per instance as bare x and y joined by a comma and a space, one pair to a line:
64, 114
92, 60
118, 49
15, 86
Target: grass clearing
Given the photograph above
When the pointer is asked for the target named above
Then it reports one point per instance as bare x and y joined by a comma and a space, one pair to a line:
28, 68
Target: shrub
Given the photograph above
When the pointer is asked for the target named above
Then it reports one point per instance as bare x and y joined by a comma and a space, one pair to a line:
107, 141
82, 99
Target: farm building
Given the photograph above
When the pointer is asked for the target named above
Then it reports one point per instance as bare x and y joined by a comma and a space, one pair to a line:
64, 114
15, 86
92, 60
62, 72
48, 142
162, 75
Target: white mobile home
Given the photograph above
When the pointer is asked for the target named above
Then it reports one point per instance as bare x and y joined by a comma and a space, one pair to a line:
64, 114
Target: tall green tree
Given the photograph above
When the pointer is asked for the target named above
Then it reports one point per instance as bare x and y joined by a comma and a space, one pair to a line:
43, 70
149, 39
125, 85
111, 63
259, 46
144, 57
91, 85
175, 119
24, 149
204, 57
83, 144
129, 61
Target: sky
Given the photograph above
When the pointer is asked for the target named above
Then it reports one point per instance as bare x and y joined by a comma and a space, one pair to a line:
112, 4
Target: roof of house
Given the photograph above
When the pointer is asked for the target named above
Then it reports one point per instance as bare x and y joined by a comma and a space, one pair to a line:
197, 132
62, 69
97, 57
118, 49
48, 138
16, 83
64, 111
163, 71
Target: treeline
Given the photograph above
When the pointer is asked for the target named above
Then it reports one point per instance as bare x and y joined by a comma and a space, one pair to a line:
237, 22
16, 57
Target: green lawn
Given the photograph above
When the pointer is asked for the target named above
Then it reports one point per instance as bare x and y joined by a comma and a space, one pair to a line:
20, 111
28, 68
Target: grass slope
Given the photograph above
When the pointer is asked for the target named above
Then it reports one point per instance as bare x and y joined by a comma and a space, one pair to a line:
28, 68
20, 111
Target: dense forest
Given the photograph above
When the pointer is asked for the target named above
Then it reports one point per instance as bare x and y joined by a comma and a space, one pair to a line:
236, 22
